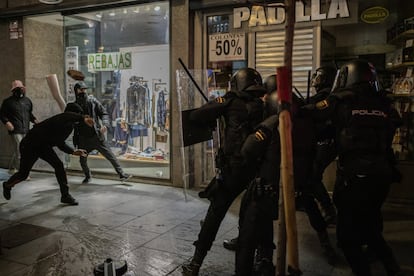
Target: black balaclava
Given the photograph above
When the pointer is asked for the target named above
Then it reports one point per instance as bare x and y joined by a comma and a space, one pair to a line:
81, 98
18, 92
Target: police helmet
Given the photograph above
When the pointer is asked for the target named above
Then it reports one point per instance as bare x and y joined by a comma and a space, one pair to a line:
271, 99
357, 72
323, 77
249, 80
73, 107
79, 85
270, 84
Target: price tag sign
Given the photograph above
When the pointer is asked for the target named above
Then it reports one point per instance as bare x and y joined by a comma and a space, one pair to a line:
227, 46
409, 72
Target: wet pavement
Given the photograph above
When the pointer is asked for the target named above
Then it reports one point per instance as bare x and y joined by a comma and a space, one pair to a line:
151, 227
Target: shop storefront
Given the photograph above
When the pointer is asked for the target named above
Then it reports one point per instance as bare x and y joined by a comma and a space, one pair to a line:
129, 52
125, 59
124, 49
326, 33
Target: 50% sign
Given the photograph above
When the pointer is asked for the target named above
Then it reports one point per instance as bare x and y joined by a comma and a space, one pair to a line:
227, 46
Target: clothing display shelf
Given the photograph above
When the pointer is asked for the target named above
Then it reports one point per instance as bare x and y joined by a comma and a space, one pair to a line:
401, 38
401, 63
403, 99
401, 66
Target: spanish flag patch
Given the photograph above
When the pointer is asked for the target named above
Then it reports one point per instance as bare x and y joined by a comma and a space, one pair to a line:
260, 136
220, 100
322, 104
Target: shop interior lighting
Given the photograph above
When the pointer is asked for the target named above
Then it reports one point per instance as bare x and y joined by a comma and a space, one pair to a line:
99, 15
112, 13
51, 2
125, 11
136, 10
157, 8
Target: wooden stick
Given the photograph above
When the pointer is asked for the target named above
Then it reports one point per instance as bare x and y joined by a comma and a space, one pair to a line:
284, 84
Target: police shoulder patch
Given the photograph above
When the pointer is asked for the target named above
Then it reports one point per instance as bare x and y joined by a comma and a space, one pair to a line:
260, 136
220, 100
322, 104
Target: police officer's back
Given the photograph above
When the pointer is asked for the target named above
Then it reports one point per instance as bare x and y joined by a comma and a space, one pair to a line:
322, 81
361, 115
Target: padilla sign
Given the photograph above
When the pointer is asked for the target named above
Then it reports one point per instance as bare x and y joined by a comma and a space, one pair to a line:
275, 14
109, 61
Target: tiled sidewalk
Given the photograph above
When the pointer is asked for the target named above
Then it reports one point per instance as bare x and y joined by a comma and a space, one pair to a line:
151, 227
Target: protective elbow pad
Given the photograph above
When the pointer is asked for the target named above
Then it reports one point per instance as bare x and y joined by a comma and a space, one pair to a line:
269, 124
255, 145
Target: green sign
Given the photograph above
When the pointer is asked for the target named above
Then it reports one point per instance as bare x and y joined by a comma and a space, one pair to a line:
109, 61
374, 15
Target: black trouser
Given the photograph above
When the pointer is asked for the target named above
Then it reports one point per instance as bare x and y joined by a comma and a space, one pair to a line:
312, 210
256, 229
235, 180
305, 192
92, 143
359, 201
29, 155
325, 155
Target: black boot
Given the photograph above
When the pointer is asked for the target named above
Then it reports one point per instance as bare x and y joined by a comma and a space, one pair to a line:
330, 215
231, 244
263, 262
191, 268
6, 191
86, 180
390, 263
68, 199
327, 248
356, 259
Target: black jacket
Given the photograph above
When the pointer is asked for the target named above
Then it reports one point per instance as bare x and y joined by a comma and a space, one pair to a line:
240, 114
365, 123
262, 150
18, 111
95, 110
53, 131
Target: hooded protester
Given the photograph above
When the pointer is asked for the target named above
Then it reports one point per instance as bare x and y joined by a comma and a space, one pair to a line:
16, 113
39, 143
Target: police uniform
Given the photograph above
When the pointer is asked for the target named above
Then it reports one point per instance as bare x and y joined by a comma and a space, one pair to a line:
304, 138
364, 131
322, 80
241, 110
262, 151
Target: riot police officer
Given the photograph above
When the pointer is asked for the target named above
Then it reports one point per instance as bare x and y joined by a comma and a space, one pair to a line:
304, 147
364, 130
271, 108
322, 80
261, 151
241, 109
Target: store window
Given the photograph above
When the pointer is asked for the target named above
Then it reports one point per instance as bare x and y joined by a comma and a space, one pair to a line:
226, 53
124, 55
